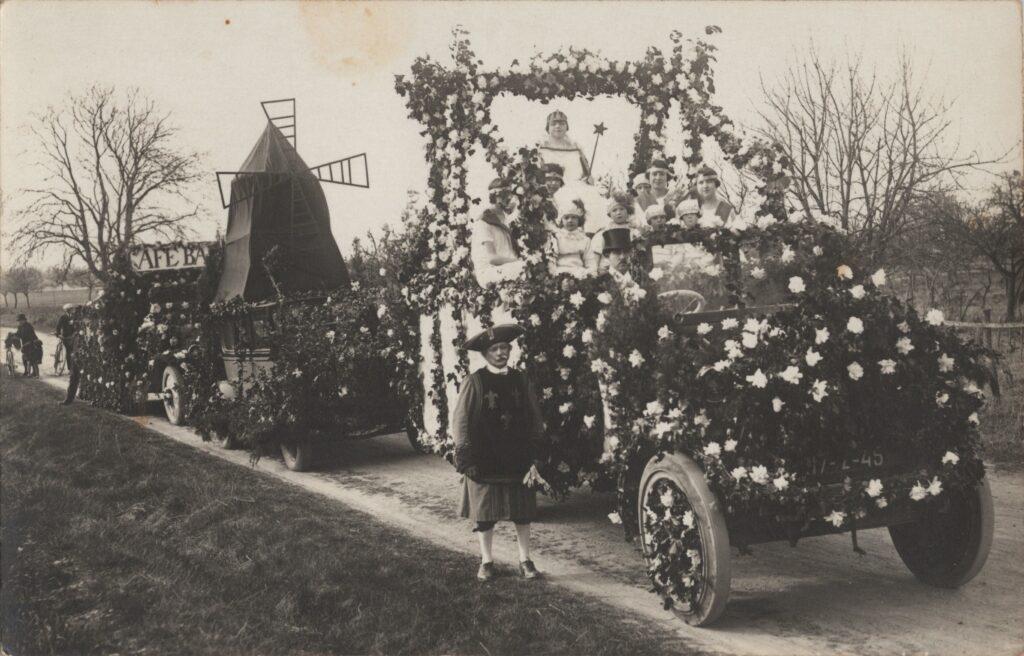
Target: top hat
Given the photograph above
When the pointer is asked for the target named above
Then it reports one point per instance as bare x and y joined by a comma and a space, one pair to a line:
504, 333
616, 239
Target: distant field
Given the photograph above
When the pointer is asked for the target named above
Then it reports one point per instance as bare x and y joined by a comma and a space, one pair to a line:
45, 306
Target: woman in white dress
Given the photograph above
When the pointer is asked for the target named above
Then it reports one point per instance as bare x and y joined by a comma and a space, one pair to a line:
714, 211
557, 148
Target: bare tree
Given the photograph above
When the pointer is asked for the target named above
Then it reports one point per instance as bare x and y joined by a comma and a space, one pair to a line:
112, 171
23, 280
862, 147
992, 231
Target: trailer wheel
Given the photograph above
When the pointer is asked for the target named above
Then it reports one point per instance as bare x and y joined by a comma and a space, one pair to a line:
297, 454
714, 576
170, 387
949, 545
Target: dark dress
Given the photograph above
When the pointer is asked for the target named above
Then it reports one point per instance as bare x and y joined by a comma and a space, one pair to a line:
496, 421
31, 347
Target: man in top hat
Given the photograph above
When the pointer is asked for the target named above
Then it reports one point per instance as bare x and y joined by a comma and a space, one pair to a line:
620, 215
659, 175
496, 422
617, 242
492, 249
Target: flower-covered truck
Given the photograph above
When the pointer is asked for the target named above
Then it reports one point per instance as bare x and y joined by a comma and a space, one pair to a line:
801, 401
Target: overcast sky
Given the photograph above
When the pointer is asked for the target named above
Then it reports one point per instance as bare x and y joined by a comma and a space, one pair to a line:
209, 64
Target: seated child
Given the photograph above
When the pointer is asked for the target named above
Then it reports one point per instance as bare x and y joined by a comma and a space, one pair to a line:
570, 244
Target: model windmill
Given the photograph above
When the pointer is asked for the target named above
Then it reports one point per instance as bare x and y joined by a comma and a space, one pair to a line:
276, 200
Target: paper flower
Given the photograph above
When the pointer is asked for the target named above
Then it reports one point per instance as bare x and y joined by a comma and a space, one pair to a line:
777, 404
887, 366
812, 357
730, 323
780, 483
878, 278
635, 358
904, 346
935, 487
569, 351
821, 335
656, 273
973, 419
855, 325
935, 317
730, 445
534, 320
844, 272
604, 297
818, 390
703, 328
874, 488
950, 458
614, 518
758, 379
791, 375
739, 473
759, 474
918, 492
836, 517
588, 336
946, 363
857, 291
855, 371
712, 450
664, 332
796, 285
577, 299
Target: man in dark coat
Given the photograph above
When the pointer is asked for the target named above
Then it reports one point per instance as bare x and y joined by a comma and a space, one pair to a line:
31, 347
67, 332
496, 422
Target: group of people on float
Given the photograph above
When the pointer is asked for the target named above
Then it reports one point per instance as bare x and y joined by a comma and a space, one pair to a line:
653, 202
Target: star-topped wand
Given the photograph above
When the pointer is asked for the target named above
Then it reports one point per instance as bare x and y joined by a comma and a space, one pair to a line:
599, 129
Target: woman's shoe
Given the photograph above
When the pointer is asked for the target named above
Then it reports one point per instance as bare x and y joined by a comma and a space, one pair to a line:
527, 570
486, 572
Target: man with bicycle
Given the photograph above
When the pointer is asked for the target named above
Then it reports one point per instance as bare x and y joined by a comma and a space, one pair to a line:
66, 333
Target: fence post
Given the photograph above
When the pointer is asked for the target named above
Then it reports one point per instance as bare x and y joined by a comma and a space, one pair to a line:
991, 361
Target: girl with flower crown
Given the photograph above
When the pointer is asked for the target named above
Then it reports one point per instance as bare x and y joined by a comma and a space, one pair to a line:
571, 246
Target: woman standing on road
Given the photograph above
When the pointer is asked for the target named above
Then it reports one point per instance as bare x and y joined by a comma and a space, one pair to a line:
496, 421
31, 347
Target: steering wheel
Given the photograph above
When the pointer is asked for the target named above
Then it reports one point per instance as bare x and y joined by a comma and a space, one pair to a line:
686, 300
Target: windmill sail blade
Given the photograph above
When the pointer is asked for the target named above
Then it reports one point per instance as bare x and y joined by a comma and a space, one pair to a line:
352, 171
260, 184
282, 114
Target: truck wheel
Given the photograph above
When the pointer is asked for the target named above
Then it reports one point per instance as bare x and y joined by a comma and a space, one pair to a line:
297, 454
712, 576
171, 384
948, 546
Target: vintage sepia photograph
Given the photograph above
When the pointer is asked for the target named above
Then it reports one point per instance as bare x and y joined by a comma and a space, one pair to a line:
567, 327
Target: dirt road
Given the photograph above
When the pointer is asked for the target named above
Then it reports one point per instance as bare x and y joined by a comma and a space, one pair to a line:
819, 597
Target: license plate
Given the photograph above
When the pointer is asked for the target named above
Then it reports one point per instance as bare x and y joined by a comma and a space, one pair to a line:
866, 460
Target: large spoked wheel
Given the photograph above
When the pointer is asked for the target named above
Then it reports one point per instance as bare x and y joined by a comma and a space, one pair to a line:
297, 454
59, 362
171, 385
949, 545
705, 542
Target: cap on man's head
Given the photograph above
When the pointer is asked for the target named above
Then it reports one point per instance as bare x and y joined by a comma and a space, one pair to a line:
616, 239
21, 317
504, 333
67, 306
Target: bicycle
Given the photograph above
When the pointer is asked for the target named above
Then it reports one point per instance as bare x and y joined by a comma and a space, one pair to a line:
60, 363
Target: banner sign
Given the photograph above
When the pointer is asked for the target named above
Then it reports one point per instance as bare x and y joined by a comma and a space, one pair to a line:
160, 257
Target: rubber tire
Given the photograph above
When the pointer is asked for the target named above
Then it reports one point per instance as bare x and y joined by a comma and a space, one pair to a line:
915, 542
59, 361
297, 455
172, 380
412, 434
689, 478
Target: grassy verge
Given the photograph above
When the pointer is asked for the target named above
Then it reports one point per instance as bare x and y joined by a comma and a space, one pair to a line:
116, 539
1002, 427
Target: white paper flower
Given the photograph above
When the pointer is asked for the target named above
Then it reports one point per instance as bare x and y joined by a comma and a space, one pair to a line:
918, 492
787, 255
588, 336
904, 346
534, 320
739, 473
759, 474
758, 379
844, 272
730, 445
330, 335
973, 419
818, 390
614, 518
855, 325
565, 408
780, 483
904, 327
777, 404
857, 291
855, 371
881, 502
569, 351
757, 273
713, 450
656, 273
941, 398
791, 375
664, 332
732, 349
721, 365
950, 458
635, 358
796, 285
946, 363
667, 498
604, 297
935, 487
589, 421
836, 517
887, 366
935, 317
874, 488
878, 278
821, 335
812, 358
817, 250
577, 299
730, 323
749, 340
703, 328
688, 519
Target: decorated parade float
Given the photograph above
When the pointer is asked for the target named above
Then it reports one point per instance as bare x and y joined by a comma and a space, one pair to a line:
801, 400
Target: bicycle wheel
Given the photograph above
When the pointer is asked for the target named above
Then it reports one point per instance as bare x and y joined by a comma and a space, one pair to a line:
11, 367
59, 362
